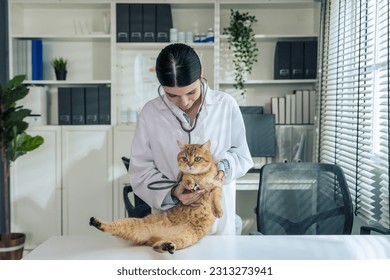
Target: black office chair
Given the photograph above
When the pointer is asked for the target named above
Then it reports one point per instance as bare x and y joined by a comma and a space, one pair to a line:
303, 198
367, 230
140, 208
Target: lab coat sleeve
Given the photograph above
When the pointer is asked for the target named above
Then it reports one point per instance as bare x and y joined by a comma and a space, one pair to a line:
238, 155
143, 170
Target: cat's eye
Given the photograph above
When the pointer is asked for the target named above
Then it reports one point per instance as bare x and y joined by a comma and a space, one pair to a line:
184, 159
197, 159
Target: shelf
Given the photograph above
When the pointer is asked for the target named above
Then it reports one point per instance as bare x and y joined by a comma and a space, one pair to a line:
275, 37
67, 82
90, 37
153, 46
95, 57
271, 82
283, 4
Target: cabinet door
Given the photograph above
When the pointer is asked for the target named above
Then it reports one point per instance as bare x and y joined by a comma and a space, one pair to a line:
123, 137
36, 189
87, 187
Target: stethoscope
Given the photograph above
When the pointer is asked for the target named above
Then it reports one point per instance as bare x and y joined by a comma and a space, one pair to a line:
173, 183
204, 88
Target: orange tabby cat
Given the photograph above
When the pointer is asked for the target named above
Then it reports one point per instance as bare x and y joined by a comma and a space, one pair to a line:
182, 225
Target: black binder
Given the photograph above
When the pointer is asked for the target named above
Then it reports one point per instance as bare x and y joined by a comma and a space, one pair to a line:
163, 22
149, 22
64, 106
122, 23
104, 105
282, 61
260, 134
136, 23
252, 109
310, 64
91, 105
78, 105
296, 70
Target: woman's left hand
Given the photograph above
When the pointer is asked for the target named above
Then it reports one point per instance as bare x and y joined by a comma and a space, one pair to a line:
220, 176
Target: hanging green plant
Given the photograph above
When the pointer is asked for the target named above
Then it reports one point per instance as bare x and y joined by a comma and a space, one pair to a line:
241, 39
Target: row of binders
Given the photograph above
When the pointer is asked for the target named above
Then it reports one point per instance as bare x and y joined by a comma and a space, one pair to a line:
29, 60
298, 107
84, 105
143, 22
295, 60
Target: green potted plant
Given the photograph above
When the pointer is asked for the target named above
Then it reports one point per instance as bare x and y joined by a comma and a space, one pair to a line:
241, 39
60, 66
14, 142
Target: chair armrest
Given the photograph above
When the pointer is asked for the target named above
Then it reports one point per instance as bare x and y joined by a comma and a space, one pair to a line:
364, 230
140, 209
126, 190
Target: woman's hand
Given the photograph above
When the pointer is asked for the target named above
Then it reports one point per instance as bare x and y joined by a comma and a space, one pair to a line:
220, 176
186, 197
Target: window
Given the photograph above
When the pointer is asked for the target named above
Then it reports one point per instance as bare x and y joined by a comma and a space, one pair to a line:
354, 105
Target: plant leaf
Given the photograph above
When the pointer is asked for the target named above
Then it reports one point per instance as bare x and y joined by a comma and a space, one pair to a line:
16, 116
24, 143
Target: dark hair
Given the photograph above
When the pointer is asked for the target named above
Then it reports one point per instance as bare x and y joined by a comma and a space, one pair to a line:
178, 65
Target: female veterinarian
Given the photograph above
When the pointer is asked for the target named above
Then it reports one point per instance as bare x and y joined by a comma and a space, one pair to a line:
189, 111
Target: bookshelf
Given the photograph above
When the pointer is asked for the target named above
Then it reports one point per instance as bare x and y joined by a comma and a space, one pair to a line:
73, 28
276, 21
79, 31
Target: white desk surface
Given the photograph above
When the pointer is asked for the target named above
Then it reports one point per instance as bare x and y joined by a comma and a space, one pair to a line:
241, 247
248, 182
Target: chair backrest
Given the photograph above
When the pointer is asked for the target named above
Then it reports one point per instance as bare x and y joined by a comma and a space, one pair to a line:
139, 209
303, 198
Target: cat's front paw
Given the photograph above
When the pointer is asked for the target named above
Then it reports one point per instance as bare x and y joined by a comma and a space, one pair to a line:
164, 246
218, 212
95, 222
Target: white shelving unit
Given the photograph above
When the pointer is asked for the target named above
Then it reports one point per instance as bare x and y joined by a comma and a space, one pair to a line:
72, 29
78, 31
276, 21
271, 82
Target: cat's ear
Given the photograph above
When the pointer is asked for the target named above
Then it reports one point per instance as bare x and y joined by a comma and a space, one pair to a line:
181, 145
207, 145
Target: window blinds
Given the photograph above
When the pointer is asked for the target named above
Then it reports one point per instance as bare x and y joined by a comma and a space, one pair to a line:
354, 105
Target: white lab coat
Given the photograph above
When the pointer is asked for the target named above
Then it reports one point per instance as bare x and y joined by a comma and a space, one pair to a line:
154, 149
